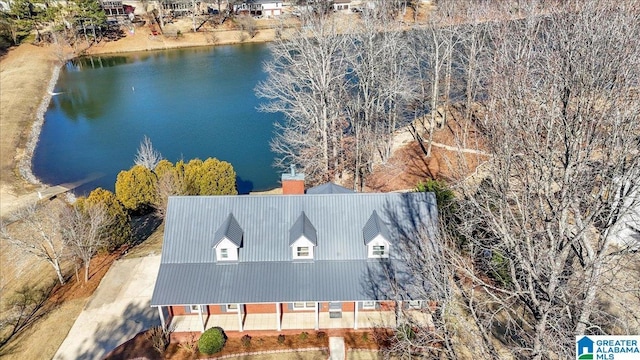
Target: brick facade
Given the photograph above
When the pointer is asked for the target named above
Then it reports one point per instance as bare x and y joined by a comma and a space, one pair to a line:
292, 187
270, 308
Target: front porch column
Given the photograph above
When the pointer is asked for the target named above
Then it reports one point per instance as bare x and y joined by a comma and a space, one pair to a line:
162, 321
240, 317
201, 317
317, 316
278, 316
355, 316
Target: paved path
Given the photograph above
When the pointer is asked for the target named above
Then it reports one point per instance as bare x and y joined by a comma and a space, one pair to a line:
336, 348
118, 310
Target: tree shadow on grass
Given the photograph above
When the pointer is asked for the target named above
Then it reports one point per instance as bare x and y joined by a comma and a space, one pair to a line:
25, 306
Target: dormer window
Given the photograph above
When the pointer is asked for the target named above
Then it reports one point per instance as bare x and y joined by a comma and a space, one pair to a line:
378, 251
302, 252
228, 240
302, 238
377, 237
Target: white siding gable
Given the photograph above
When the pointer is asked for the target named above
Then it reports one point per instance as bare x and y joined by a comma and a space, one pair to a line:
302, 242
226, 247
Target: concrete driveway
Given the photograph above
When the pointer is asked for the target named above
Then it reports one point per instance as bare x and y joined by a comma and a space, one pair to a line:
119, 309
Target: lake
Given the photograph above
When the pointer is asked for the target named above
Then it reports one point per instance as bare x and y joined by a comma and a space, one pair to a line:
190, 102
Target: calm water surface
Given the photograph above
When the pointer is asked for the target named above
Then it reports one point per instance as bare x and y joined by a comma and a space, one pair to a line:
191, 103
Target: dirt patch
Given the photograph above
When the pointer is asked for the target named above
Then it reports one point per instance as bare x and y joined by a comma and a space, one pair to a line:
451, 158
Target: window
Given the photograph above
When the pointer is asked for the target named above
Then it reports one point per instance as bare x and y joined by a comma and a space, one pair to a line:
232, 307
224, 253
304, 306
378, 250
369, 305
415, 304
194, 308
302, 251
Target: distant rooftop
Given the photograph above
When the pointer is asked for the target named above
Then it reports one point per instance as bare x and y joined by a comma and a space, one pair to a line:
329, 188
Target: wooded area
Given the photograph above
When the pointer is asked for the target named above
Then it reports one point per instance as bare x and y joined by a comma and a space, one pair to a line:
534, 243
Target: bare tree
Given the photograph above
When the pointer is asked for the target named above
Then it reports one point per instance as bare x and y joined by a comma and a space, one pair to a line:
170, 183
84, 231
305, 82
248, 24
379, 89
147, 155
562, 121
45, 244
432, 55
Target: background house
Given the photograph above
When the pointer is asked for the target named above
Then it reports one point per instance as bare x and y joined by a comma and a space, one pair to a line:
268, 8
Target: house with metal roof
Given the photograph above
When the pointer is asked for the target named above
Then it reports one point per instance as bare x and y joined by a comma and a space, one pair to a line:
329, 258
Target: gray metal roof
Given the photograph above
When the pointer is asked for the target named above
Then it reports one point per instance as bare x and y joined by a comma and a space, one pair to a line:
230, 229
375, 227
264, 271
329, 188
303, 227
269, 282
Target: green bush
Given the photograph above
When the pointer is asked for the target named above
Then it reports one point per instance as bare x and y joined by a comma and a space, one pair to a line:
499, 269
212, 341
304, 336
281, 339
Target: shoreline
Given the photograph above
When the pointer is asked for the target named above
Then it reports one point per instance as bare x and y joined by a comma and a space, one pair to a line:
25, 164
142, 43
24, 102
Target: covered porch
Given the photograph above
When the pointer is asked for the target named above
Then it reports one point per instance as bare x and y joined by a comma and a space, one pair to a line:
292, 320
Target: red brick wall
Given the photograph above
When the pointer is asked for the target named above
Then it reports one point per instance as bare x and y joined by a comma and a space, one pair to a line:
271, 308
261, 308
177, 310
292, 187
348, 306
215, 309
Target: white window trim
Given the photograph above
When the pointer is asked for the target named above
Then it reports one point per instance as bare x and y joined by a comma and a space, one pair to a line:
303, 249
415, 304
307, 245
378, 248
377, 242
224, 254
194, 308
368, 305
231, 308
304, 307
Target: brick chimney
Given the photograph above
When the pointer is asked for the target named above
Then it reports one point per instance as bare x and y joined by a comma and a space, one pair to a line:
292, 182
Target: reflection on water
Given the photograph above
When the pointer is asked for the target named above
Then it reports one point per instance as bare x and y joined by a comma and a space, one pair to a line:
190, 102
